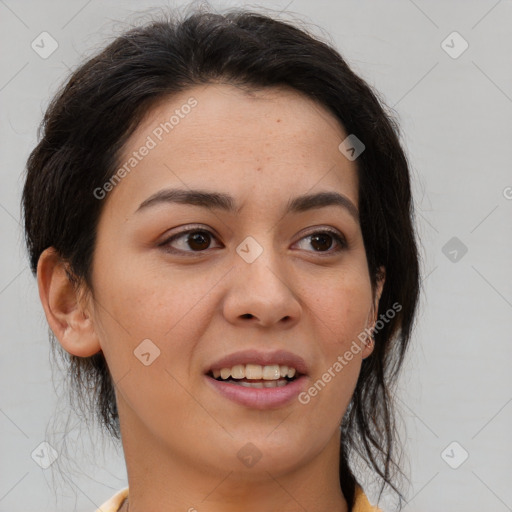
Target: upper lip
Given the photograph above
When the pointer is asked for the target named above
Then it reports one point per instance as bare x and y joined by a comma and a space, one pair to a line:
280, 357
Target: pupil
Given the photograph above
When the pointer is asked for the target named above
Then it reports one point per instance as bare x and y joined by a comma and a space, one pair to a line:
323, 239
198, 241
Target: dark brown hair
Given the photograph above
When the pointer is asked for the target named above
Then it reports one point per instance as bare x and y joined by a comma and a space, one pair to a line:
90, 119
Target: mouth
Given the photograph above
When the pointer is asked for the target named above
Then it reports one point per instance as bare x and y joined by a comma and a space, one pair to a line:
259, 380
256, 376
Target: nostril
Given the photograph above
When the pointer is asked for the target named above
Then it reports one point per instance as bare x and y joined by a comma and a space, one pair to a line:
247, 315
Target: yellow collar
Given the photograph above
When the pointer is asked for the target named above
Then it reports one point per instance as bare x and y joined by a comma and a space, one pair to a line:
361, 502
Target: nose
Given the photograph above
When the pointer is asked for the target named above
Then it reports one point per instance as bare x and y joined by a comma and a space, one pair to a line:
260, 293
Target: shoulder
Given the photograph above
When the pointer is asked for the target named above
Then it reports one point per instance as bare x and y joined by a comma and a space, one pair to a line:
361, 503
113, 503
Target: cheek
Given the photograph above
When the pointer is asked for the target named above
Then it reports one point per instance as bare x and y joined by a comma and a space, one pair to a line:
148, 302
137, 302
340, 303
149, 324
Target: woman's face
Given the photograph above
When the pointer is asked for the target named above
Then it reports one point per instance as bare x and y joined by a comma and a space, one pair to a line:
252, 277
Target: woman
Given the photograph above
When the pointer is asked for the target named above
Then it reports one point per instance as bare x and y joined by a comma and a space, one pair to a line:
219, 217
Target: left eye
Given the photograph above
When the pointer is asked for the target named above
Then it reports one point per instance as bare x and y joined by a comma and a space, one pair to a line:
199, 240
322, 241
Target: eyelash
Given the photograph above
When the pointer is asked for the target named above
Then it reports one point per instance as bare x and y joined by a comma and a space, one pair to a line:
340, 239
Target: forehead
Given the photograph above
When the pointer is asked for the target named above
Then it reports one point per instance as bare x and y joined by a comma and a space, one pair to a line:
272, 141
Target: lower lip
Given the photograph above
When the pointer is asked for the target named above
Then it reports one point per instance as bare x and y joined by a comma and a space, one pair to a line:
260, 398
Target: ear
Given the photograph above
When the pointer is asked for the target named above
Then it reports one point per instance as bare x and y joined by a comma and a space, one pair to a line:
381, 279
68, 317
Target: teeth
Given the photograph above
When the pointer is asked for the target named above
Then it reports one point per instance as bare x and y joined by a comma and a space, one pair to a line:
255, 371
271, 372
238, 371
267, 384
251, 384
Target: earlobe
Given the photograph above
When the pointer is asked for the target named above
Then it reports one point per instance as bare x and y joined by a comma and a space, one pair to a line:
70, 322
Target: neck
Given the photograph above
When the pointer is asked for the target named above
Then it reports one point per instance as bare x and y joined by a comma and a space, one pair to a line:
160, 480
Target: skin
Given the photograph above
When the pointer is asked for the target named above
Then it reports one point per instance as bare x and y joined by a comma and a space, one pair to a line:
181, 437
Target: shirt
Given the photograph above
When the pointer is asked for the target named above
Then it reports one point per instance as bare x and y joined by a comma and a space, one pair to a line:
361, 502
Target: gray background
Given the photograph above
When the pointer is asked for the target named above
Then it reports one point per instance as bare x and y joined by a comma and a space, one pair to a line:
455, 115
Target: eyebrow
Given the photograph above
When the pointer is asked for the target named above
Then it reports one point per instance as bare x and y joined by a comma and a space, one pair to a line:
225, 202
